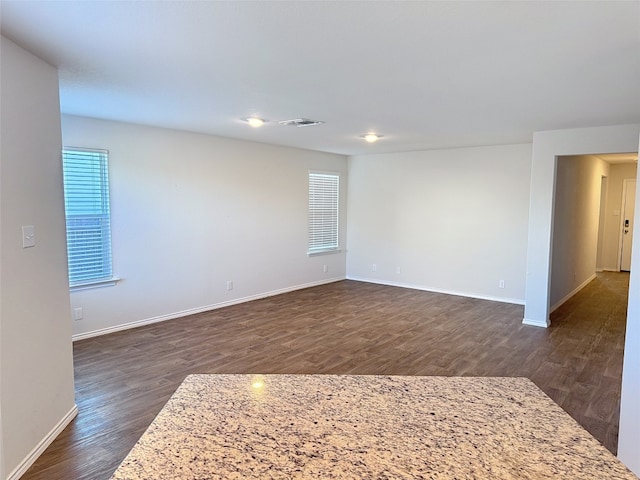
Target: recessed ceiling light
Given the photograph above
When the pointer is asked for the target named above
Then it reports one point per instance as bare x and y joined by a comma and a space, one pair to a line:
371, 137
255, 121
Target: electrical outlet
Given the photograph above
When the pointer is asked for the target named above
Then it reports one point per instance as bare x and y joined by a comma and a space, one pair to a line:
229, 285
398, 270
501, 284
77, 313
325, 268
374, 268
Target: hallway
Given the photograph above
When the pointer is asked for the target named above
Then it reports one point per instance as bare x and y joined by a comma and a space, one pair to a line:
584, 370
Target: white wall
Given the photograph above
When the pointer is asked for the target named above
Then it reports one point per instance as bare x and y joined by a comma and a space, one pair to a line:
576, 222
36, 353
191, 212
546, 147
453, 220
629, 437
2, 469
613, 214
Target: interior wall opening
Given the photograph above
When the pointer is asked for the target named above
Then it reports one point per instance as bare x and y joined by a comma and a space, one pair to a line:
589, 220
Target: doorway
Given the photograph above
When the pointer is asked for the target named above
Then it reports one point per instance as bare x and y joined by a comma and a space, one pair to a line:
590, 213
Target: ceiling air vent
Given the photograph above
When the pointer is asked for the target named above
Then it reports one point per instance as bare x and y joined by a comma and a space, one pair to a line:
301, 122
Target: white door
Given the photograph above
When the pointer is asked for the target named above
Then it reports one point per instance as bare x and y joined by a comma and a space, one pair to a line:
628, 204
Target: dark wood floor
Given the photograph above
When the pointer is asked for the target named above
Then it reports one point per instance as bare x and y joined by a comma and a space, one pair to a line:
124, 379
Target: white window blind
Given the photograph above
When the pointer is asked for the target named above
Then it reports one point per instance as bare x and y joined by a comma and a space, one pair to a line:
86, 200
323, 211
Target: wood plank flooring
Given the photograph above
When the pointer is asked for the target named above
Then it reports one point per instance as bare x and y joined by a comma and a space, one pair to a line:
348, 327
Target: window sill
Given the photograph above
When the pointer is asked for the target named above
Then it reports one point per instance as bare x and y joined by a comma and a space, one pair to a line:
328, 251
109, 282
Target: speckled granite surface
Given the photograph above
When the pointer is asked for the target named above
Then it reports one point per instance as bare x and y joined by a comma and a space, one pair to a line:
365, 427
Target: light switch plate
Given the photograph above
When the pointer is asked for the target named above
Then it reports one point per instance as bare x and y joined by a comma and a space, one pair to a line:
28, 236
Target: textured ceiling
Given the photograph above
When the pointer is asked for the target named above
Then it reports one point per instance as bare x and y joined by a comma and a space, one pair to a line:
424, 74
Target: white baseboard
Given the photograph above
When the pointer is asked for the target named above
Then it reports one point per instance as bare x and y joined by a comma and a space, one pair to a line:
515, 301
192, 311
43, 444
536, 323
564, 299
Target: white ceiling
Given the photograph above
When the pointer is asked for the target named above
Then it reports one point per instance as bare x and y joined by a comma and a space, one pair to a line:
614, 158
424, 74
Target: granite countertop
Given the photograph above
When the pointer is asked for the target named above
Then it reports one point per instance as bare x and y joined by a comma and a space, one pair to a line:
365, 427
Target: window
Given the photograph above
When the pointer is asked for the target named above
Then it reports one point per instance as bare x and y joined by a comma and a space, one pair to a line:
86, 202
323, 212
